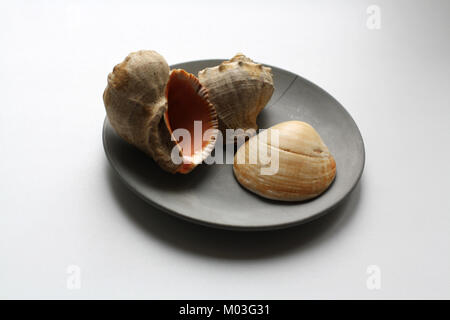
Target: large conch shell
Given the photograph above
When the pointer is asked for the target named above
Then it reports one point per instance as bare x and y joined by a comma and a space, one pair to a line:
145, 103
239, 89
305, 166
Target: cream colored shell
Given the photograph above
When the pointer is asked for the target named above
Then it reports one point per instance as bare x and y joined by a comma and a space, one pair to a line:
239, 89
305, 166
136, 105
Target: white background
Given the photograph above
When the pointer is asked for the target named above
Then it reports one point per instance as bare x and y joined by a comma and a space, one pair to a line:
60, 203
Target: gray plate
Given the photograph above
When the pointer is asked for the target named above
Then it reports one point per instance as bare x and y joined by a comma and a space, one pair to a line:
210, 194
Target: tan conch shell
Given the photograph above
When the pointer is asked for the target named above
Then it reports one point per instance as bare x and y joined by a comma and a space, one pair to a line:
239, 89
145, 102
305, 166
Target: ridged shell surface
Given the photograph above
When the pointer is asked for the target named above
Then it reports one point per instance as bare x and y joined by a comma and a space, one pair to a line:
239, 89
305, 167
136, 103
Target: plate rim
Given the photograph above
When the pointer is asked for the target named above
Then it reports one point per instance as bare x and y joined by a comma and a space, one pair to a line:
235, 227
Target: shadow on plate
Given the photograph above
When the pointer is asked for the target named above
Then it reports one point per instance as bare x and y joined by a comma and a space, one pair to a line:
227, 244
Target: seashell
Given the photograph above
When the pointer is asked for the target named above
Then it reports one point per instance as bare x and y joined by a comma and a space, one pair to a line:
305, 166
239, 89
145, 103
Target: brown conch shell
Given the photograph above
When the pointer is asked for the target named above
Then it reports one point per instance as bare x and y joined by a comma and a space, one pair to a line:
239, 89
145, 103
305, 166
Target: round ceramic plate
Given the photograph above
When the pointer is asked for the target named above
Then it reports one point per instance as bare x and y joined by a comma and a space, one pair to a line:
211, 195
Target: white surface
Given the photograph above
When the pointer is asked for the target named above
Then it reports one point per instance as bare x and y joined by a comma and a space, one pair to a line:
60, 204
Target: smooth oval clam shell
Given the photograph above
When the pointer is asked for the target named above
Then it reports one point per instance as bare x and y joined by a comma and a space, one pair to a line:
305, 167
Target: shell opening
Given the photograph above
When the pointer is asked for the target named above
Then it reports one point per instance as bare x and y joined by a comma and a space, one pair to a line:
188, 106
